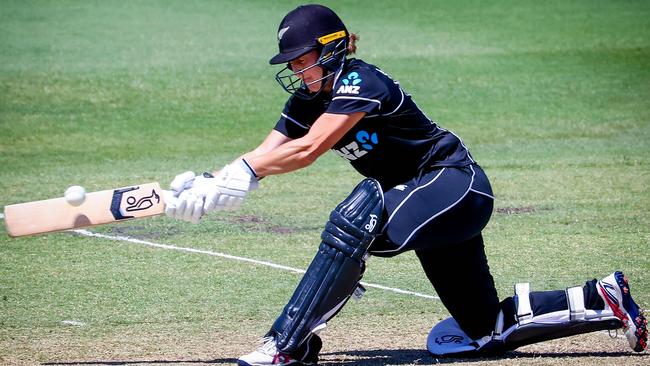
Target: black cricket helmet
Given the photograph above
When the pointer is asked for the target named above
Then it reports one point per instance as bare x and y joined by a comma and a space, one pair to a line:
307, 28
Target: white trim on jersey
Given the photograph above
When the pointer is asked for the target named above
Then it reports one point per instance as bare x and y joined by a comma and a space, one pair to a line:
432, 217
469, 155
461, 143
409, 196
482, 193
400, 103
394, 110
294, 121
443, 211
359, 98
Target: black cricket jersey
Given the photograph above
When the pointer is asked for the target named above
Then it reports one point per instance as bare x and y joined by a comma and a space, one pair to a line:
394, 142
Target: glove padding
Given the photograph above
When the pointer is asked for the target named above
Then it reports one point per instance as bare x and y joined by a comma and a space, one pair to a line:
234, 182
193, 196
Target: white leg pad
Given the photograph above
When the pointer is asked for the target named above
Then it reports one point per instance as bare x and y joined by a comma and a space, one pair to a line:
447, 339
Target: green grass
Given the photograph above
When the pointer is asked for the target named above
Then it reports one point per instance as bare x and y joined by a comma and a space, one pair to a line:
551, 97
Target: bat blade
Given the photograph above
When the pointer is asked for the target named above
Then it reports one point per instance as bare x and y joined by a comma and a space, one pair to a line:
101, 207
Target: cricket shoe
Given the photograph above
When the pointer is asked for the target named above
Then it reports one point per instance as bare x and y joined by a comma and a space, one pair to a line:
268, 354
615, 290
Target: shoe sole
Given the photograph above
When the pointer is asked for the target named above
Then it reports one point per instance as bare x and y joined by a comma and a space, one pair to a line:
243, 363
637, 327
292, 363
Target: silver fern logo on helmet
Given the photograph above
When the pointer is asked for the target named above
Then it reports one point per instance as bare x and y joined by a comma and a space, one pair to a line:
282, 32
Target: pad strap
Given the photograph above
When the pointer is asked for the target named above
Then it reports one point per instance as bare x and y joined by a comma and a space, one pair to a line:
524, 311
498, 326
576, 302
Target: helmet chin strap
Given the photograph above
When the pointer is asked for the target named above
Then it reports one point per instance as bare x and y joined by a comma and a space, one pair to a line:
328, 81
325, 80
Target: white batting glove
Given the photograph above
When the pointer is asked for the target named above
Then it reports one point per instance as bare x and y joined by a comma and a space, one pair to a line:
182, 182
193, 196
187, 206
234, 182
186, 197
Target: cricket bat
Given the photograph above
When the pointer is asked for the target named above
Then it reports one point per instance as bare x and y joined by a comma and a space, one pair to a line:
98, 208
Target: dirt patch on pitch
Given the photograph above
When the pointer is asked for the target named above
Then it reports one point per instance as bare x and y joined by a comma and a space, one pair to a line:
515, 210
252, 223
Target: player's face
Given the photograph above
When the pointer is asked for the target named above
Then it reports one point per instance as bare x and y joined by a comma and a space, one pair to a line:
301, 67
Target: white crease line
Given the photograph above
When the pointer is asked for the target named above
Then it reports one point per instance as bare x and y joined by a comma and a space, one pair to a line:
73, 322
242, 259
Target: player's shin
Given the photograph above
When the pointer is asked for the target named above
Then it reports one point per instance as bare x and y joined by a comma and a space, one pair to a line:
335, 271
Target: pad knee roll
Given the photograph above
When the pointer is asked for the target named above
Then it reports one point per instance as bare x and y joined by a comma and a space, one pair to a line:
336, 270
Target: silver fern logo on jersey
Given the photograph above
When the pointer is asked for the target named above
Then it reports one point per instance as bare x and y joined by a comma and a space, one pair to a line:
350, 84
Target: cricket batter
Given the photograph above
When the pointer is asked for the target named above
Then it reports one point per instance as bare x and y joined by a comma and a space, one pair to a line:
423, 192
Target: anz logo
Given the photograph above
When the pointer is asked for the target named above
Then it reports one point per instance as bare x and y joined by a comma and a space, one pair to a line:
365, 141
350, 84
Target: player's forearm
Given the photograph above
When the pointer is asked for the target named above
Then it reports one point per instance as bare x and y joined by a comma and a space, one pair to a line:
252, 154
299, 153
271, 142
288, 157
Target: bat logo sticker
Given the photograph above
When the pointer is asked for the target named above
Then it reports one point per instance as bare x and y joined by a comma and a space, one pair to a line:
134, 204
143, 203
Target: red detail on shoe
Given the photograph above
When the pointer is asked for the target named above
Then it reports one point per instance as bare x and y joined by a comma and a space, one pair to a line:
615, 308
641, 332
282, 359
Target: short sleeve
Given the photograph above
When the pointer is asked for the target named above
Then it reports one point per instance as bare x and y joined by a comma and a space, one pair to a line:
359, 90
296, 119
289, 127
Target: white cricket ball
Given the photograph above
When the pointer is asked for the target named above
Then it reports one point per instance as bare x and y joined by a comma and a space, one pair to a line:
75, 195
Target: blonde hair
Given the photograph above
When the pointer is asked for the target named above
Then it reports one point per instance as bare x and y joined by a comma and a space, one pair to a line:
352, 43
